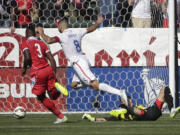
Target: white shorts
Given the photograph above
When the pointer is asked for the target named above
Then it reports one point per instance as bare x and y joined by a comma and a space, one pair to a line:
83, 73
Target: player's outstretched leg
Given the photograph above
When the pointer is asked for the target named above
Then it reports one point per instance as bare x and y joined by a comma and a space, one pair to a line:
168, 98
174, 112
51, 106
108, 88
88, 117
61, 89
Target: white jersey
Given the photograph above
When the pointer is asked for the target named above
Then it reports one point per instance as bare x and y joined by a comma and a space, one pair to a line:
141, 9
70, 41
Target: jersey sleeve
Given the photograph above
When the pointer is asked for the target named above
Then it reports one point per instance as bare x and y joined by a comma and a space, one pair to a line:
57, 38
23, 46
45, 47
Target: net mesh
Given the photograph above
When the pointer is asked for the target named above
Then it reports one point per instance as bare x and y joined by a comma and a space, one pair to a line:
81, 13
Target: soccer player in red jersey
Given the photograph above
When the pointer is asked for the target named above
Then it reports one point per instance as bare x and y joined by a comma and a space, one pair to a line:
36, 55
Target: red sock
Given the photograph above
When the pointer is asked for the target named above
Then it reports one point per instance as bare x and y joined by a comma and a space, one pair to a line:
159, 104
51, 106
142, 113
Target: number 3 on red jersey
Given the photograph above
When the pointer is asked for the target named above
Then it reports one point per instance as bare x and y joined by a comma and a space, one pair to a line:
38, 50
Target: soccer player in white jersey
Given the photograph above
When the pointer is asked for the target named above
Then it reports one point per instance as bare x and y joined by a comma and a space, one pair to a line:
70, 40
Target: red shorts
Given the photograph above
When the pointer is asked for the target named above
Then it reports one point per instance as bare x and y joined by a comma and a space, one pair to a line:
42, 80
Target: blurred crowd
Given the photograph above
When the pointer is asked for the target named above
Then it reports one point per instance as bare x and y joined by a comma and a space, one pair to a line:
82, 13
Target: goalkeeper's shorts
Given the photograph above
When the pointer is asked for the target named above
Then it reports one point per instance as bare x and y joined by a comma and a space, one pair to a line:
151, 113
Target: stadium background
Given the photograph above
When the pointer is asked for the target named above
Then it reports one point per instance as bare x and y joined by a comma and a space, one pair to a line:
15, 90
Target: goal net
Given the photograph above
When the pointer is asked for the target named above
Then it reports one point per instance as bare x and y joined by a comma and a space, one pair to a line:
134, 59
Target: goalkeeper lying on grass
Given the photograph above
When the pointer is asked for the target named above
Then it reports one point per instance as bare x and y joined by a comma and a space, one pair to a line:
139, 112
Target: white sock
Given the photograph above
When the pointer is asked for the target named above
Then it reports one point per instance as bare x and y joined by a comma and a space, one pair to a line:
109, 89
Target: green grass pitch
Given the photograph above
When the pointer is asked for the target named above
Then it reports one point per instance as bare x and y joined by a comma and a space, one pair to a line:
43, 125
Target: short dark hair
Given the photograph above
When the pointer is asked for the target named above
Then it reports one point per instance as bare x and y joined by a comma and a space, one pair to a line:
39, 25
63, 19
30, 29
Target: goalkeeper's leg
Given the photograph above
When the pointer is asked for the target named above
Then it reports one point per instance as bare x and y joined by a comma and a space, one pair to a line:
88, 117
93, 119
174, 112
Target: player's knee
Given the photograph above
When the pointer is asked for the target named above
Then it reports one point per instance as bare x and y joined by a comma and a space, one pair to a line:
95, 85
53, 94
41, 97
167, 94
167, 90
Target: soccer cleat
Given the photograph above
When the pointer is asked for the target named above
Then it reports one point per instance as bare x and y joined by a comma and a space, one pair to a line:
174, 112
89, 117
61, 89
118, 112
63, 120
80, 85
124, 96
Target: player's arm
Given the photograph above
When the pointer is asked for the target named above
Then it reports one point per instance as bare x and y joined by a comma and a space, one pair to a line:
45, 37
52, 61
96, 25
130, 2
27, 61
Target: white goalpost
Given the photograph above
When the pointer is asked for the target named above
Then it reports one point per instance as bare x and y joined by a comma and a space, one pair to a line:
172, 51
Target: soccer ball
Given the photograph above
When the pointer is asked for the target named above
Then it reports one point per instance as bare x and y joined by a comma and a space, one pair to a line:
19, 112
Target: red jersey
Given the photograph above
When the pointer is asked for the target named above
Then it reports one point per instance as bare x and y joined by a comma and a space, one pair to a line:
38, 50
